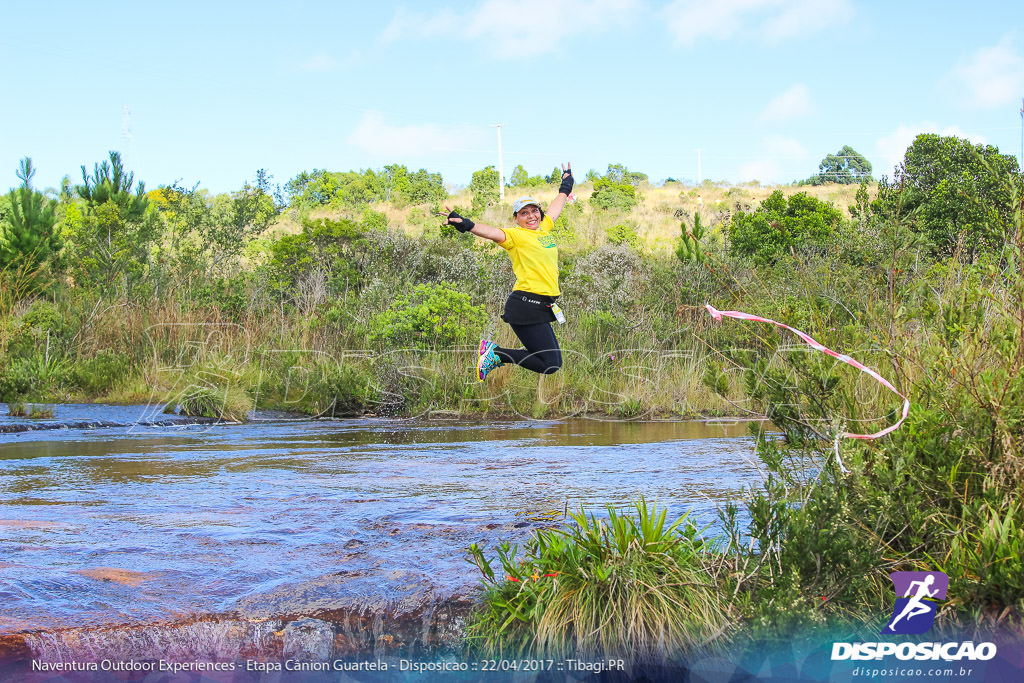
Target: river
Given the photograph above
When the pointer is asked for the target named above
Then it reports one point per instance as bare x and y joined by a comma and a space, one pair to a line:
139, 520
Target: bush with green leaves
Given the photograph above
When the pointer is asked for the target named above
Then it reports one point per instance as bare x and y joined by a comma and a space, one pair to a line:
630, 586
484, 188
624, 235
780, 227
430, 315
337, 249
520, 178
101, 373
960, 195
16, 380
394, 183
609, 194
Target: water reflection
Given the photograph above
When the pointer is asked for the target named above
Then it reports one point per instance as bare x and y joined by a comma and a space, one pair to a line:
214, 518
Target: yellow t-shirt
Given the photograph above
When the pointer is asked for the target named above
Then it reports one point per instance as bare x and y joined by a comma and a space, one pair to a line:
534, 257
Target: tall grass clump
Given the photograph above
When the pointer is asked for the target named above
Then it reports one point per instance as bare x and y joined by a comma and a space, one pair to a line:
627, 586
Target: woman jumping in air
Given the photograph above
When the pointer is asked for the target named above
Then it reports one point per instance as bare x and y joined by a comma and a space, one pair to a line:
531, 306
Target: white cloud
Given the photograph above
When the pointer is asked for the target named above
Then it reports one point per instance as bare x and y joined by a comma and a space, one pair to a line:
763, 170
777, 154
772, 20
320, 62
791, 104
786, 148
891, 148
389, 142
502, 24
992, 76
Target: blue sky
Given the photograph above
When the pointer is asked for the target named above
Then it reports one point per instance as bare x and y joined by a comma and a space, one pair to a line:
209, 92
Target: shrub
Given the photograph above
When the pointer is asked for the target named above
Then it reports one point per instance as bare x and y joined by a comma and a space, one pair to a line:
16, 381
779, 227
102, 373
624, 235
485, 189
432, 315
225, 402
626, 586
609, 194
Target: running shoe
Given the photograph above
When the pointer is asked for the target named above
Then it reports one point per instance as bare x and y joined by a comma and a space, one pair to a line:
487, 360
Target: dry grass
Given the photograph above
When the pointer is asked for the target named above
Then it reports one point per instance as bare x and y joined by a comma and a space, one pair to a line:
656, 219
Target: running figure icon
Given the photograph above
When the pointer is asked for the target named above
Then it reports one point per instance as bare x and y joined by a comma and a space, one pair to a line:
917, 595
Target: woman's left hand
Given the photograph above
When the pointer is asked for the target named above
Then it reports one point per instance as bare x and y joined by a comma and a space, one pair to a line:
567, 179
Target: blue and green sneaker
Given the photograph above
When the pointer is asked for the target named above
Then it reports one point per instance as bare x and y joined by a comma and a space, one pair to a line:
488, 359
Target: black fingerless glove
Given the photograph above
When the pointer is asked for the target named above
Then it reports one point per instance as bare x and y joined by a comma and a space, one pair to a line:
464, 226
566, 186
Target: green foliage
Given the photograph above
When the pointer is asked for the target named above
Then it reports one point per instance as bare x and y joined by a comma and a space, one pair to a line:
847, 166
16, 380
394, 183
619, 174
689, 247
346, 390
958, 194
781, 227
100, 374
485, 189
430, 315
611, 195
630, 586
336, 249
113, 237
520, 178
213, 398
616, 189
624, 235
28, 238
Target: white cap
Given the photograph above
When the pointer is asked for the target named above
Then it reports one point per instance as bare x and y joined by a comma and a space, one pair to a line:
525, 201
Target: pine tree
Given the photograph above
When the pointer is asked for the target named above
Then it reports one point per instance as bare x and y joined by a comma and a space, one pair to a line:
28, 240
118, 228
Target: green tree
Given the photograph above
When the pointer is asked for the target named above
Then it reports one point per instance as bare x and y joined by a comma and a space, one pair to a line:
115, 233
28, 238
689, 247
519, 177
237, 218
779, 227
847, 166
485, 188
958, 194
619, 174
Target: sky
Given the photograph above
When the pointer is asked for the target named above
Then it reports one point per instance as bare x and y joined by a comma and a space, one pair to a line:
208, 92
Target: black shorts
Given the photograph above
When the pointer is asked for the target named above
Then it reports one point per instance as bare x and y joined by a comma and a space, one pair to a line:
527, 308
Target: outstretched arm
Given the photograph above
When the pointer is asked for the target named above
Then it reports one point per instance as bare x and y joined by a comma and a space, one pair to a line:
558, 203
461, 224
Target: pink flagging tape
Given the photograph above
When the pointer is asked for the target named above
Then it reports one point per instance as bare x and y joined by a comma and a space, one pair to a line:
740, 315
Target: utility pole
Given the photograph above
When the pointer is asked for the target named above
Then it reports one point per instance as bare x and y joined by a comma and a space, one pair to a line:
700, 176
126, 136
501, 169
1022, 134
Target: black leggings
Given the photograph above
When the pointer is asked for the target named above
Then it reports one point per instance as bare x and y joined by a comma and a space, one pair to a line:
541, 354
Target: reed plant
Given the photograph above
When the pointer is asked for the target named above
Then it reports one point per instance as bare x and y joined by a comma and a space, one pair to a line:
630, 586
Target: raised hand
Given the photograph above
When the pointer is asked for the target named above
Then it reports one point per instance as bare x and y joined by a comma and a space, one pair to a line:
455, 220
567, 180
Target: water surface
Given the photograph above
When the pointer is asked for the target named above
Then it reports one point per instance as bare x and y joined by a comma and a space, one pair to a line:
141, 523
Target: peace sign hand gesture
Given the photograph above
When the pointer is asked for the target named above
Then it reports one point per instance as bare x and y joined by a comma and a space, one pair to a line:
567, 180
